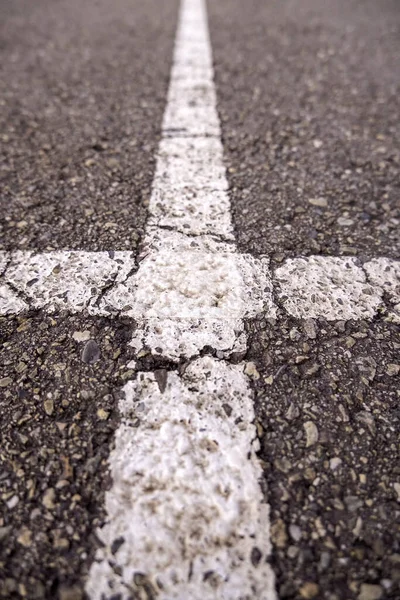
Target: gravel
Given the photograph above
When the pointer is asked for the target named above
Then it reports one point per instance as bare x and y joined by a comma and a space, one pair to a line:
328, 421
58, 420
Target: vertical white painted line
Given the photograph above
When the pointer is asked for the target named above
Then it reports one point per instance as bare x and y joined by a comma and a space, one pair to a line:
192, 289
186, 515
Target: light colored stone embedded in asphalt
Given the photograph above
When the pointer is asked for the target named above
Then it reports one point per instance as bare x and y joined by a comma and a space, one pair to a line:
311, 431
309, 590
396, 486
81, 336
25, 537
345, 222
369, 591
320, 202
12, 502
392, 369
335, 463
49, 498
194, 534
91, 352
329, 287
68, 281
310, 329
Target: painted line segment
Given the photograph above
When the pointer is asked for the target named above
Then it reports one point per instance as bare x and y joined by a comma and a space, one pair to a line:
186, 515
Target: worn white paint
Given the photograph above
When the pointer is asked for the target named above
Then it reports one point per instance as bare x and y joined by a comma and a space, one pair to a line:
71, 281
185, 300
329, 287
186, 500
186, 516
198, 284
189, 189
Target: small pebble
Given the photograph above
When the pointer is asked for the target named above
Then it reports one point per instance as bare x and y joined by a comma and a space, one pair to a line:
309, 590
91, 352
48, 498
321, 202
311, 433
392, 369
369, 591
335, 462
251, 371
81, 336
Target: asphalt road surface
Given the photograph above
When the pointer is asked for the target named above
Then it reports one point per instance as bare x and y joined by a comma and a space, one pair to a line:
216, 414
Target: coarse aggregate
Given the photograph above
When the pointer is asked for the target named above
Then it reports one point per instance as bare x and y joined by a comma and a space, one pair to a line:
83, 89
326, 399
60, 380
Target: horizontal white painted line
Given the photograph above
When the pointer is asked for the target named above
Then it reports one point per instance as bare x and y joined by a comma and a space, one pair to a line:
54, 281
337, 288
182, 278
186, 517
183, 298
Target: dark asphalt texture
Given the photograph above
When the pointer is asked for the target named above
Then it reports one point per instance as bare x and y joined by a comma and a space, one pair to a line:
58, 417
83, 89
327, 406
309, 100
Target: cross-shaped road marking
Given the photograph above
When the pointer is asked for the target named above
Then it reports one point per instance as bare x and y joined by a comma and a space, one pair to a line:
186, 516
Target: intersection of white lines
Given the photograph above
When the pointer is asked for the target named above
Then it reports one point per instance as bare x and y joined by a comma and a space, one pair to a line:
186, 516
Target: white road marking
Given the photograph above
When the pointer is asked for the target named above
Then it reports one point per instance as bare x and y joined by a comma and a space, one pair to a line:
186, 516
186, 506
186, 299
385, 274
334, 288
54, 281
189, 190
